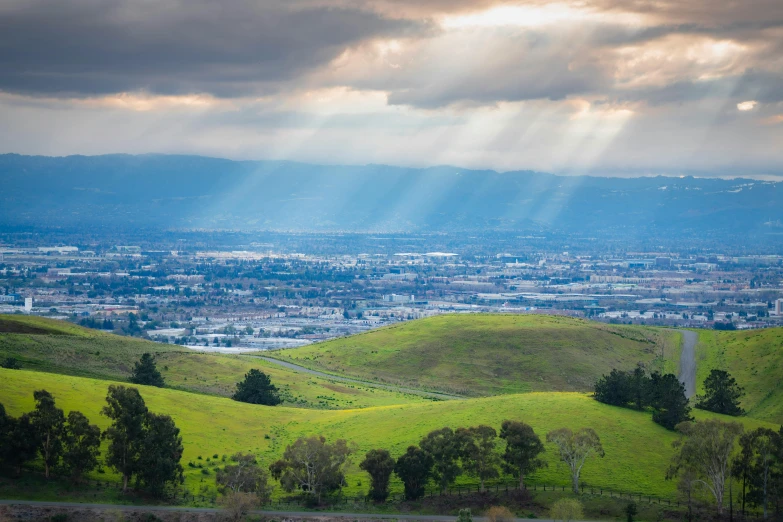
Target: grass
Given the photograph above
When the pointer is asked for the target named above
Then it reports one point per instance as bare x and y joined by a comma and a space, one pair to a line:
59, 347
637, 450
754, 358
481, 355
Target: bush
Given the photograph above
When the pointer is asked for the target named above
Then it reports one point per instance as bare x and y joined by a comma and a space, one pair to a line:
499, 514
566, 509
464, 516
11, 364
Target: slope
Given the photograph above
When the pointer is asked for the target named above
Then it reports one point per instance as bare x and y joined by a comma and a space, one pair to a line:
754, 358
637, 450
482, 355
48, 345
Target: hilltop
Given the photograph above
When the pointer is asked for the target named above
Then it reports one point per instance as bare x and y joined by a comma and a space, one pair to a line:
480, 355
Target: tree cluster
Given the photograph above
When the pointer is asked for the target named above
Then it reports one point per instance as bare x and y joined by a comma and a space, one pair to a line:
708, 457
664, 394
66, 445
142, 445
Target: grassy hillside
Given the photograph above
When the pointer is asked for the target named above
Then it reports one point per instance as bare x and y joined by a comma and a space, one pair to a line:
755, 359
483, 355
59, 347
637, 450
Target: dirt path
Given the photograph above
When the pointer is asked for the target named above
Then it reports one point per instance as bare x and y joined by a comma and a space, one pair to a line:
688, 362
413, 391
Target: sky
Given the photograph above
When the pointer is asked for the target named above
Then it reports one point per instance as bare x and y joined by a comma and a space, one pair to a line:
633, 87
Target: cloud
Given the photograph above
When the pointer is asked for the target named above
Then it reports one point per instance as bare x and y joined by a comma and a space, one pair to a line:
231, 48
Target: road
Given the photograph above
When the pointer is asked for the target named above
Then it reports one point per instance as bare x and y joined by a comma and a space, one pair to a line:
281, 514
401, 389
688, 362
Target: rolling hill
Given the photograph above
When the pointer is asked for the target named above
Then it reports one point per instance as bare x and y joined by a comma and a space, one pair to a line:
480, 355
637, 450
52, 346
755, 359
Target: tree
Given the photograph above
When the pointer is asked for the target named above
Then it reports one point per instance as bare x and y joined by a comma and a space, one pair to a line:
667, 398
631, 511
639, 386
414, 468
160, 455
477, 450
257, 388
244, 475
614, 389
21, 443
742, 467
722, 394
762, 445
146, 372
575, 448
523, 448
127, 411
10, 363
705, 449
379, 464
443, 446
312, 465
566, 510
81, 446
49, 422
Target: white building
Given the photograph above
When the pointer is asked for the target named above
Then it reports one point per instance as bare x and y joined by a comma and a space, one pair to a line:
396, 298
28, 304
779, 307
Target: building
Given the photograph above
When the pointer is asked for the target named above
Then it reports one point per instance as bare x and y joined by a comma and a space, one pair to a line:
779, 307
28, 304
396, 298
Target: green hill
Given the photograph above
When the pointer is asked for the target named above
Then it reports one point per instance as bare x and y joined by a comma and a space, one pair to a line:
755, 359
637, 450
480, 355
52, 346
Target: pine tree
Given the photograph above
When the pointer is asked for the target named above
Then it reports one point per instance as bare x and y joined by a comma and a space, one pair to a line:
257, 388
145, 372
722, 394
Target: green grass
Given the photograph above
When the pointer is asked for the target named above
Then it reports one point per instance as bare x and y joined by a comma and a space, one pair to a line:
637, 450
480, 355
754, 358
60, 347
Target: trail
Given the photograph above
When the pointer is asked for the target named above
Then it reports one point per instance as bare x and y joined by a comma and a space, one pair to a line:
292, 514
688, 362
401, 389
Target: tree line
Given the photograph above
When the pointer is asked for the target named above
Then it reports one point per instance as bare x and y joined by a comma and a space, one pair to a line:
143, 446
315, 467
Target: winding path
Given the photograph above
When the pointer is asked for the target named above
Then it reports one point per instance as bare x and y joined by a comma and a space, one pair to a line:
401, 389
688, 362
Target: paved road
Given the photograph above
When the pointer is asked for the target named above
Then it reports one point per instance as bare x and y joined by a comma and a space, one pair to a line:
370, 384
688, 362
291, 514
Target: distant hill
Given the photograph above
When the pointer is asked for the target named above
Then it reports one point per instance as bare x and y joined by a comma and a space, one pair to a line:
479, 355
51, 346
167, 191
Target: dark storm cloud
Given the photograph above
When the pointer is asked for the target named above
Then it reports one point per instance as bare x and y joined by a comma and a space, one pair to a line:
227, 48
